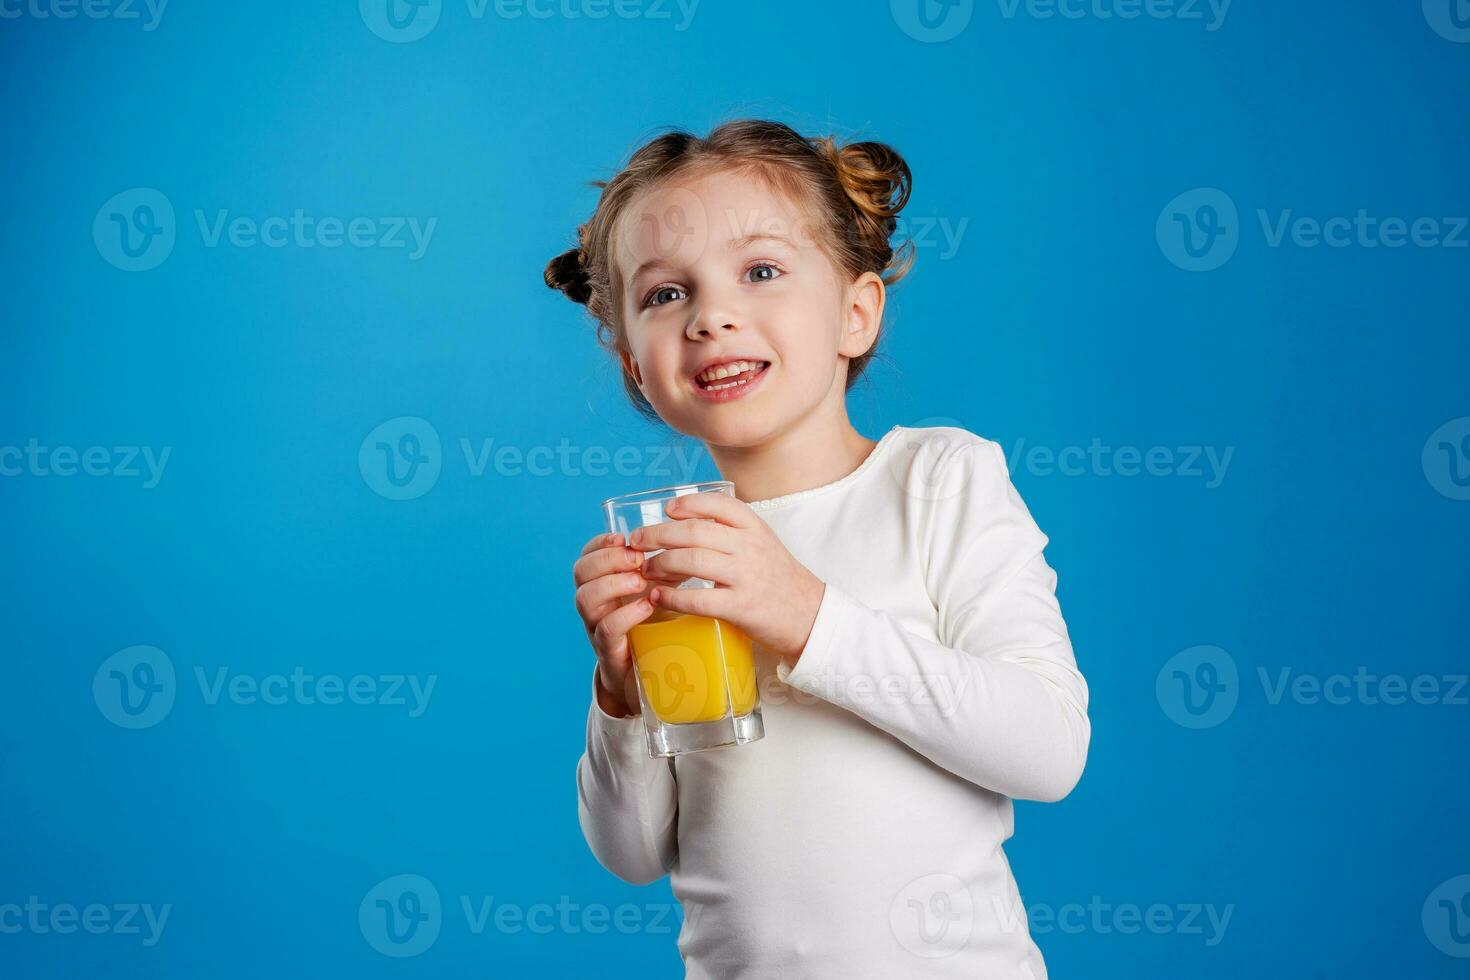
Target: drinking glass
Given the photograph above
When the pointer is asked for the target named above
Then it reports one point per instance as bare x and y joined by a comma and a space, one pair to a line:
695, 674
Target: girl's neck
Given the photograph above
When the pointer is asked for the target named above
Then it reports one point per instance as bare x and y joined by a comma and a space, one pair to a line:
821, 449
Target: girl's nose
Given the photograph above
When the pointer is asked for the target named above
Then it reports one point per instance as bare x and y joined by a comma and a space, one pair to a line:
712, 318
706, 328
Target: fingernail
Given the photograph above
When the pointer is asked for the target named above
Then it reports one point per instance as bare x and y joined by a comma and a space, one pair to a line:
636, 557
653, 596
634, 538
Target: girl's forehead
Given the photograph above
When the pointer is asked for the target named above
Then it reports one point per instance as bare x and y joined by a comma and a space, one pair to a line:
712, 210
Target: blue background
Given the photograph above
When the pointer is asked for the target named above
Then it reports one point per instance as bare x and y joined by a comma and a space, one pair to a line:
1059, 319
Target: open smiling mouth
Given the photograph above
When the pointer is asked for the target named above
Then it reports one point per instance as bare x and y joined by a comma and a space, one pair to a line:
730, 380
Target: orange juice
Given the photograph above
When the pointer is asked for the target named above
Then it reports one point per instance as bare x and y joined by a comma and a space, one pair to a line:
693, 668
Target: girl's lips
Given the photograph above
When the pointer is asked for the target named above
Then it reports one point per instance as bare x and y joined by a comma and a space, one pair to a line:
742, 385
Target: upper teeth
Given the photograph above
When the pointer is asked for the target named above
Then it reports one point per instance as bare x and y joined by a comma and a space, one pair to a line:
726, 370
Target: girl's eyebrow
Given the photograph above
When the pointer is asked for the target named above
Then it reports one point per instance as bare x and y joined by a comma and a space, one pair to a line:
733, 245
737, 243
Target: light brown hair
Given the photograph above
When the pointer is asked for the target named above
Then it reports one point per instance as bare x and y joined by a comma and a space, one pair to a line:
854, 194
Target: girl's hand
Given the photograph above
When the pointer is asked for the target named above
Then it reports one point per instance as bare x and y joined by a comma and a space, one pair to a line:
605, 574
760, 587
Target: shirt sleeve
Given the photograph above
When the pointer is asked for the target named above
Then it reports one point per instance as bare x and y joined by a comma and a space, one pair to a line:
999, 701
627, 801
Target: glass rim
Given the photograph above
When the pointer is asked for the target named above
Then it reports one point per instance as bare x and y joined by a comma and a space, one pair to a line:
643, 496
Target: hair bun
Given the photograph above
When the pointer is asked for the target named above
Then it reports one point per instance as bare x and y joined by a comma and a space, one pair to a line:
877, 182
568, 273
875, 176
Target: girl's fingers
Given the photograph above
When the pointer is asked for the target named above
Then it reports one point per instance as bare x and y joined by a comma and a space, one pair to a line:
696, 562
612, 629
717, 506
605, 561
673, 578
595, 599
602, 541
692, 533
696, 602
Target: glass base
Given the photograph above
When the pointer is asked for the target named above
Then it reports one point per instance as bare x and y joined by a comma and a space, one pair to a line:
669, 739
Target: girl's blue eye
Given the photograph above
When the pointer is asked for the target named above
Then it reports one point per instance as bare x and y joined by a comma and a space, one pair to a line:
653, 298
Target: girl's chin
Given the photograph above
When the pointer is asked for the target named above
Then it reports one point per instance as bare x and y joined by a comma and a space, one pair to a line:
745, 432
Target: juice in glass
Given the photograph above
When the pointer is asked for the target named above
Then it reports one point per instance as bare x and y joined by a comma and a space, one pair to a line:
693, 668
695, 675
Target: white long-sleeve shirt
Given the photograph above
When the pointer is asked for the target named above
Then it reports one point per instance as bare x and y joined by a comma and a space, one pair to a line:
861, 837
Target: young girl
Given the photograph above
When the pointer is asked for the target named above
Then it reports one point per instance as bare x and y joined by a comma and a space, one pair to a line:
914, 670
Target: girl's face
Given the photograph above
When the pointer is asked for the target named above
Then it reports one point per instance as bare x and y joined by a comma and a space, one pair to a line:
724, 269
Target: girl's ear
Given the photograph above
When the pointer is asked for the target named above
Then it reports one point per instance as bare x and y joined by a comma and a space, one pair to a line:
862, 314
630, 367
